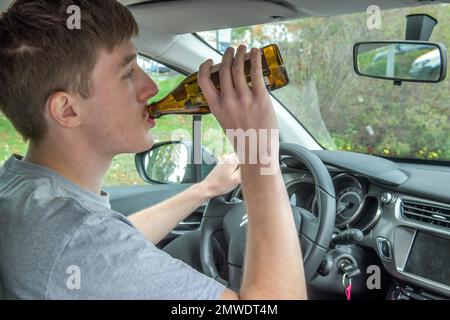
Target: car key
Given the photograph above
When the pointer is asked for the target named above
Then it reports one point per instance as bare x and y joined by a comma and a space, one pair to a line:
349, 268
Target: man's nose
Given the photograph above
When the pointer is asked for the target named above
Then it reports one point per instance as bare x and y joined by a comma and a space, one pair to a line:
149, 88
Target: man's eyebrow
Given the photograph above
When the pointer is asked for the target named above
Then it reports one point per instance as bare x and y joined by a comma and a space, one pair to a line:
127, 60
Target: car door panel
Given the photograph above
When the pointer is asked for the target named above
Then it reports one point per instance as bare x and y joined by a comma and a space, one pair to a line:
131, 199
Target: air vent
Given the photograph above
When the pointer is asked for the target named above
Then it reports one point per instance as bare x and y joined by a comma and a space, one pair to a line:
429, 214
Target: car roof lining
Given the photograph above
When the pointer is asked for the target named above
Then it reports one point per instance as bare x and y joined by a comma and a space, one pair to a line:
188, 16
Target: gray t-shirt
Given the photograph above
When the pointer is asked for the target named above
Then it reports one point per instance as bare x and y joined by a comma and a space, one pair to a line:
59, 241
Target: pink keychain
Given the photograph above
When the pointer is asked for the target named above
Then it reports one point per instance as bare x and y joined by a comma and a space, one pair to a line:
347, 286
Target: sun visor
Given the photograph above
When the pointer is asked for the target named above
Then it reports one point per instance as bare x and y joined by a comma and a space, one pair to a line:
180, 17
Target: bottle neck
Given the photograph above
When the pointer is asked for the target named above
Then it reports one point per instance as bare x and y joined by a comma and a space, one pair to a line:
153, 111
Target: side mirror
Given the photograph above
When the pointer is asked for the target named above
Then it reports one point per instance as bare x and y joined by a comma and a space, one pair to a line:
171, 162
164, 163
412, 61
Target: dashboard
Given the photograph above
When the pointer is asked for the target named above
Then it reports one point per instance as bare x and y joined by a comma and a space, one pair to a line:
355, 206
403, 210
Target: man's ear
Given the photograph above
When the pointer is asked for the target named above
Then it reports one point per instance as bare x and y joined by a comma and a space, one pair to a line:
63, 109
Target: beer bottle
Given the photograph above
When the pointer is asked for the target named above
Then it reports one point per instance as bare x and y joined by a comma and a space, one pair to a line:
187, 98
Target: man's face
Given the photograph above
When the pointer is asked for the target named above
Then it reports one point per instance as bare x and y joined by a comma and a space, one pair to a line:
115, 119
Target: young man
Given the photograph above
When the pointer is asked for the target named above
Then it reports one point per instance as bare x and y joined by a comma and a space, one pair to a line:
79, 97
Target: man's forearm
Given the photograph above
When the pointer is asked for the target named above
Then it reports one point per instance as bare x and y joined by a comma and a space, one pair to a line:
156, 222
273, 262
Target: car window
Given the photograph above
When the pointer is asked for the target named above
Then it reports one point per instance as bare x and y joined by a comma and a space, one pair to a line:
342, 110
10, 141
213, 137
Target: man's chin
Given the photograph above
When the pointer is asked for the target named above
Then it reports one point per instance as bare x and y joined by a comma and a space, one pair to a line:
146, 145
137, 146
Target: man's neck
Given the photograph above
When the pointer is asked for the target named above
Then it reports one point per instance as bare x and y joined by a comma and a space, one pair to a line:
81, 168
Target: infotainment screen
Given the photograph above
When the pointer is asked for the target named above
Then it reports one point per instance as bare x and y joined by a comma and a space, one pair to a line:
430, 258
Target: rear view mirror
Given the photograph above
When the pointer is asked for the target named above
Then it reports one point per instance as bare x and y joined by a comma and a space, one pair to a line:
401, 60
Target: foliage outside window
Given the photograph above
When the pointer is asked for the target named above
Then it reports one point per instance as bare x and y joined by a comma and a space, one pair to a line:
344, 111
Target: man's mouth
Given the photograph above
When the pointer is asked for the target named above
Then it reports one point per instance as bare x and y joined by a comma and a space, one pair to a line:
150, 121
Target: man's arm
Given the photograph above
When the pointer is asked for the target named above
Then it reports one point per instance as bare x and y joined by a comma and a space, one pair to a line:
156, 222
273, 262
273, 267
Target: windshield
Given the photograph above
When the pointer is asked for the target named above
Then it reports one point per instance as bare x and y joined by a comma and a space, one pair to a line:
344, 111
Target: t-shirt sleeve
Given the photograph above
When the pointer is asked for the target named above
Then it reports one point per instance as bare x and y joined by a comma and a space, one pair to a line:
109, 259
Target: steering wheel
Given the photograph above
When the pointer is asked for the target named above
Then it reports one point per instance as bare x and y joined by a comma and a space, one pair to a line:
230, 217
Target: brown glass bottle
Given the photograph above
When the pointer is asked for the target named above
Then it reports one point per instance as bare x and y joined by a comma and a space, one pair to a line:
187, 98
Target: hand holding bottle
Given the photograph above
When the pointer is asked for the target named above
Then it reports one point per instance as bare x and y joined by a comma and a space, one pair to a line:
187, 98
241, 106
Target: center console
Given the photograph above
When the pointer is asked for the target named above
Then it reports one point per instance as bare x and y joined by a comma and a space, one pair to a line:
413, 241
402, 291
429, 258
422, 265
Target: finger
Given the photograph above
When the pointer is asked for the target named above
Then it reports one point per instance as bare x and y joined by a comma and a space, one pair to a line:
226, 80
237, 176
239, 78
236, 161
232, 160
207, 86
256, 72
222, 159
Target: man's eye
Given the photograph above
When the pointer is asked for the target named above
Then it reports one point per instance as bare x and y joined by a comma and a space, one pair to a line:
129, 75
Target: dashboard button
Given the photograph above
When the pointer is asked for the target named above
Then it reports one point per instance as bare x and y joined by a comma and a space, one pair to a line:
384, 248
386, 197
